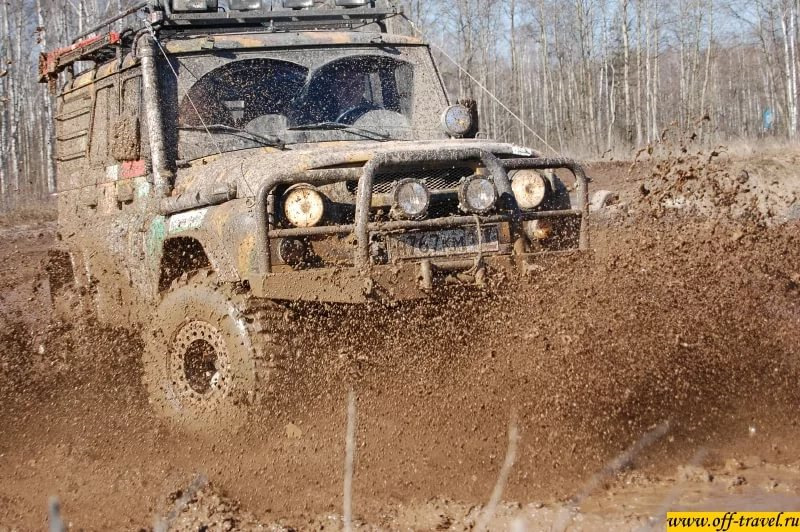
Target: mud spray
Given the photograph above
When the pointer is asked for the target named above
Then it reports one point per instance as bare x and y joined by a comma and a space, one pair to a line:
683, 326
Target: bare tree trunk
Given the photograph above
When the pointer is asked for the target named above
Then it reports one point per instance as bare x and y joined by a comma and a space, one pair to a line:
709, 49
12, 97
648, 73
654, 83
790, 51
638, 114
49, 166
626, 69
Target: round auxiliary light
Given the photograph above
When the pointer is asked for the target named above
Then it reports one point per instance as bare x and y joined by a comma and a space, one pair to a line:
410, 199
529, 188
457, 120
477, 195
303, 206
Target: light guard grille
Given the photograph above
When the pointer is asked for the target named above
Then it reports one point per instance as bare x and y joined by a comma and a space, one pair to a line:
433, 178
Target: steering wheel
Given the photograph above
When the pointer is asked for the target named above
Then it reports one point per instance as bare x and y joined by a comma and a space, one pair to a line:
357, 111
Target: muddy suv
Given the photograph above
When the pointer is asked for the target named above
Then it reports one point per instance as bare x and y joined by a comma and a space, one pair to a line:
220, 160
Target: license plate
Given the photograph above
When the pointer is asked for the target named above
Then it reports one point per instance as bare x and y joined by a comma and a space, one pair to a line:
442, 243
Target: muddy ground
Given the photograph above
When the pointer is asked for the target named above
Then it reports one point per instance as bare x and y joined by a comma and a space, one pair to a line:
659, 372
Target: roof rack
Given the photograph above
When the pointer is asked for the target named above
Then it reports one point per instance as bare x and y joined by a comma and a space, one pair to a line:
98, 48
278, 20
103, 47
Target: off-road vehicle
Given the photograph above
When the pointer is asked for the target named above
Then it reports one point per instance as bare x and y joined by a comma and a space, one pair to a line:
218, 159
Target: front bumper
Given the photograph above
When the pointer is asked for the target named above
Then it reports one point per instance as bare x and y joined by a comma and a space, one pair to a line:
395, 282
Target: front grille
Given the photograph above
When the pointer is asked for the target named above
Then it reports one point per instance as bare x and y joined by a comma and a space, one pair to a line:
434, 179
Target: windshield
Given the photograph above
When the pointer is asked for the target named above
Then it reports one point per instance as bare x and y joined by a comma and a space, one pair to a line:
237, 93
347, 89
249, 102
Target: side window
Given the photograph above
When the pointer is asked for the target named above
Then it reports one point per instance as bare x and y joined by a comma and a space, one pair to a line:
104, 110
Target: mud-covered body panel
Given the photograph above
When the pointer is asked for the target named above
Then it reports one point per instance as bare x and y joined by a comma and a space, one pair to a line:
248, 169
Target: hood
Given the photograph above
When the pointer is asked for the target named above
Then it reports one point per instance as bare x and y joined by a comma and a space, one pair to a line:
247, 169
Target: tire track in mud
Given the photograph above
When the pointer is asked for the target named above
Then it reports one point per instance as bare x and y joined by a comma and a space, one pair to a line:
676, 320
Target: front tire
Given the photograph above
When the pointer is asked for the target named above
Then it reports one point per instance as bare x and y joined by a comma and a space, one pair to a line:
206, 356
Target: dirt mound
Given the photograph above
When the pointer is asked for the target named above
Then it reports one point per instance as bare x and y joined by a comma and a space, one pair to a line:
762, 191
691, 183
677, 178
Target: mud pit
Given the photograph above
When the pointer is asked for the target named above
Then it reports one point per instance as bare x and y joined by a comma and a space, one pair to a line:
677, 340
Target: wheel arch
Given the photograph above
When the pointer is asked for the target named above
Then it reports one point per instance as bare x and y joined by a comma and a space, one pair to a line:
189, 252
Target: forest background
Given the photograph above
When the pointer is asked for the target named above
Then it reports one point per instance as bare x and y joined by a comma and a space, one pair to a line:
585, 78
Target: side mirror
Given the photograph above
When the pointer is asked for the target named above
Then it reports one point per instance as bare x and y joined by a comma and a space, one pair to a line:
125, 139
472, 105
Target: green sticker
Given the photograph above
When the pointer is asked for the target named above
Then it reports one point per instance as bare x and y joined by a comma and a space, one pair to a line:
156, 236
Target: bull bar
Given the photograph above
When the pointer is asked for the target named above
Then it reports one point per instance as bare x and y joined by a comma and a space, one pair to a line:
361, 229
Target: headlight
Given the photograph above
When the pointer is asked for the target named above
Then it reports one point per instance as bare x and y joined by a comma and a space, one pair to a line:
477, 195
194, 5
410, 199
303, 206
457, 120
529, 188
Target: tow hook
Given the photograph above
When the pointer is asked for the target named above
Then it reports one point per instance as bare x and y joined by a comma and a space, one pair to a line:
426, 275
480, 276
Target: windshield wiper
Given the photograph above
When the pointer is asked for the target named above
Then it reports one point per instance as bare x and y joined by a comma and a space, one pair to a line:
274, 142
340, 125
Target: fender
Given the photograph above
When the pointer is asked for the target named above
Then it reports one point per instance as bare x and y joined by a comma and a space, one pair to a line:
220, 230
